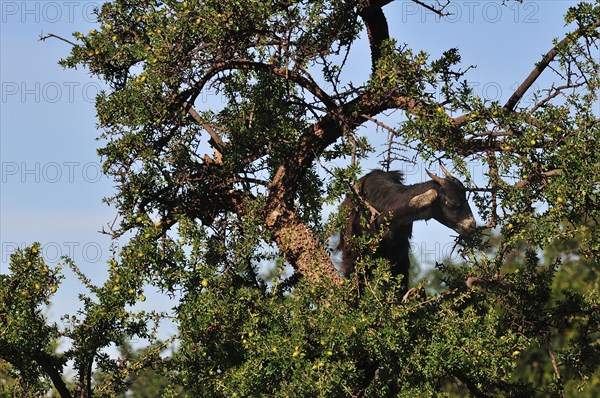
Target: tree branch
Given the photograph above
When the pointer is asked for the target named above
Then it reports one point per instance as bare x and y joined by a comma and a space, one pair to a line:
439, 11
555, 367
377, 28
243, 64
380, 124
215, 141
44, 37
45, 362
542, 65
550, 173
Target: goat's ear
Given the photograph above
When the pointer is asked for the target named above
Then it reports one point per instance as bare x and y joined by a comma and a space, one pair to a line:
436, 178
423, 200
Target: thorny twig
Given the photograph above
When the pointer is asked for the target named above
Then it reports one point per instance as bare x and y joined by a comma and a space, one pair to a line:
44, 37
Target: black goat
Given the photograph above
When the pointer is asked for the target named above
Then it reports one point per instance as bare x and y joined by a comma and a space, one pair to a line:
383, 201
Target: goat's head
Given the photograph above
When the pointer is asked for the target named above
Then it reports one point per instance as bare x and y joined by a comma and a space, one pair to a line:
451, 207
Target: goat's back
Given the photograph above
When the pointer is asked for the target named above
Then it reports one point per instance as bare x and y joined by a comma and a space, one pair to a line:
381, 190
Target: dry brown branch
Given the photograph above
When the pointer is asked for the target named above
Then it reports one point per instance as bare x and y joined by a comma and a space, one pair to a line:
217, 143
541, 66
438, 11
555, 367
44, 37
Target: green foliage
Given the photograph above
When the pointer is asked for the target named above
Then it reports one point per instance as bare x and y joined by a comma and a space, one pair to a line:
327, 341
222, 205
26, 339
554, 303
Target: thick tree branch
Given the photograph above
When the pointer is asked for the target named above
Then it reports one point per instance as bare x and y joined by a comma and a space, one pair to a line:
300, 247
377, 28
45, 362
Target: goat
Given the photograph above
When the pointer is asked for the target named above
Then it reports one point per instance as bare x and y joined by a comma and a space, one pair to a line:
384, 201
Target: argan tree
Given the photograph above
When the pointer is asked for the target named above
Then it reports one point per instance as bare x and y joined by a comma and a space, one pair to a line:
222, 206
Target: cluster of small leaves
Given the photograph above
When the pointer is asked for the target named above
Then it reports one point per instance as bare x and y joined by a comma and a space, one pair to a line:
342, 181
399, 69
353, 338
104, 320
26, 338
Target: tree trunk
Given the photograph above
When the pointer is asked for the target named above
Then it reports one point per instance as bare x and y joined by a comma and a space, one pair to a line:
298, 245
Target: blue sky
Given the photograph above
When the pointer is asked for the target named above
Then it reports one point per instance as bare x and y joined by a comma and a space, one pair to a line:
51, 189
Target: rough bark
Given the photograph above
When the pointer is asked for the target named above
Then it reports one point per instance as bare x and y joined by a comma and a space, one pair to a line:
294, 238
300, 247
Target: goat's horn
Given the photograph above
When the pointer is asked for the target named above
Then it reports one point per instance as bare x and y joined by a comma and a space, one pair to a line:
446, 172
435, 177
423, 200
